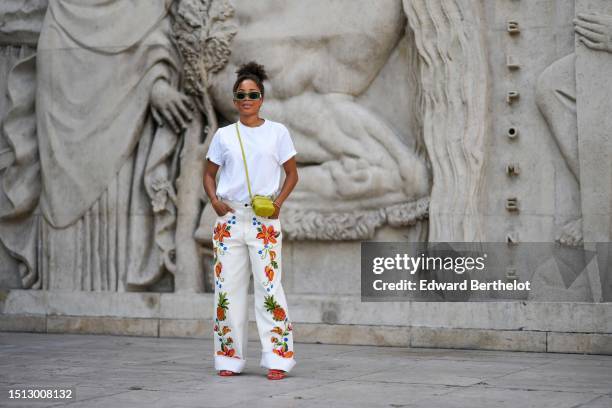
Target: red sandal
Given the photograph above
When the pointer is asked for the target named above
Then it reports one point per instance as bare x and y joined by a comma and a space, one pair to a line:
227, 373
274, 374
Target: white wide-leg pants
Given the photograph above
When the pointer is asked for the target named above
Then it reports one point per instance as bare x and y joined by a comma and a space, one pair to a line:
238, 238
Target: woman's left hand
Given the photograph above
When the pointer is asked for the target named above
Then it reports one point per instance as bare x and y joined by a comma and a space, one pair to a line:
276, 212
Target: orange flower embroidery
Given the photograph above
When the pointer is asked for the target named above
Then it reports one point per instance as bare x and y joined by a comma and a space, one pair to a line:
226, 351
221, 231
227, 343
267, 234
269, 273
283, 353
281, 344
218, 268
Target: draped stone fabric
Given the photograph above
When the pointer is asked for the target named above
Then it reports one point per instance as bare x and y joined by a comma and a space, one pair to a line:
75, 206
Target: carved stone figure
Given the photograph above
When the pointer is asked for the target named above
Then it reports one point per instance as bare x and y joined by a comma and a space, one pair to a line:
84, 202
556, 98
575, 105
98, 185
359, 171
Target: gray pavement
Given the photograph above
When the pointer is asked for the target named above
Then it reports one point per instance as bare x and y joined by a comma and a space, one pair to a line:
122, 371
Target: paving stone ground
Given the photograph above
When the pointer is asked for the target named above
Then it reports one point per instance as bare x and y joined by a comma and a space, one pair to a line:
123, 371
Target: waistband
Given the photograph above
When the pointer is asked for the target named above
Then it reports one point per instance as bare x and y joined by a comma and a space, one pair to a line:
237, 204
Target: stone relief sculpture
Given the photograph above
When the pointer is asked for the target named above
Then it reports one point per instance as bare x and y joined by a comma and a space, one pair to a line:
556, 98
100, 192
575, 108
454, 75
356, 171
88, 157
203, 30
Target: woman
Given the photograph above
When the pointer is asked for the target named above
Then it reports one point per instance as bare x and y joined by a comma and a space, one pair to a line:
240, 234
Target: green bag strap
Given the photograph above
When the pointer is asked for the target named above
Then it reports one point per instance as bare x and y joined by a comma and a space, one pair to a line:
244, 160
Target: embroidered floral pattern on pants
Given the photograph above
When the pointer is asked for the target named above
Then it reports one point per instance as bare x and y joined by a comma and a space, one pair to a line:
227, 342
281, 347
221, 230
268, 235
243, 245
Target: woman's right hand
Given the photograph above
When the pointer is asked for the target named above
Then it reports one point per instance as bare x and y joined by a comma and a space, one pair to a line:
221, 208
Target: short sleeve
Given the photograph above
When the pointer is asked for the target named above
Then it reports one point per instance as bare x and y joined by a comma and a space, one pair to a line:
286, 150
215, 153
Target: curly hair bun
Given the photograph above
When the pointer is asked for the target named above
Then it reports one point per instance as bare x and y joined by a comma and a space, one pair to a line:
252, 68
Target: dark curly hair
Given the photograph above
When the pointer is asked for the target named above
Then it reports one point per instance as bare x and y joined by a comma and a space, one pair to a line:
255, 72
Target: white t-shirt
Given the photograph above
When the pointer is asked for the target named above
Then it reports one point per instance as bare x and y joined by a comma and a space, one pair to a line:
266, 148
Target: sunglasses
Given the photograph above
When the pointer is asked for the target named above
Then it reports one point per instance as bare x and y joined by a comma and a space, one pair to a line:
240, 95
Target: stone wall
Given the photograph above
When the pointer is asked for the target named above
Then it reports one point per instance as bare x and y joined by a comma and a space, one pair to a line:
448, 107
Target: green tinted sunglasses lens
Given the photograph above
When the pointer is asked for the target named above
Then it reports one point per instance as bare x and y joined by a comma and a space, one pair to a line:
243, 95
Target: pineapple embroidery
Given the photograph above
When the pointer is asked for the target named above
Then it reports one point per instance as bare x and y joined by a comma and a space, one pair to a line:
222, 305
278, 313
268, 235
281, 345
226, 341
